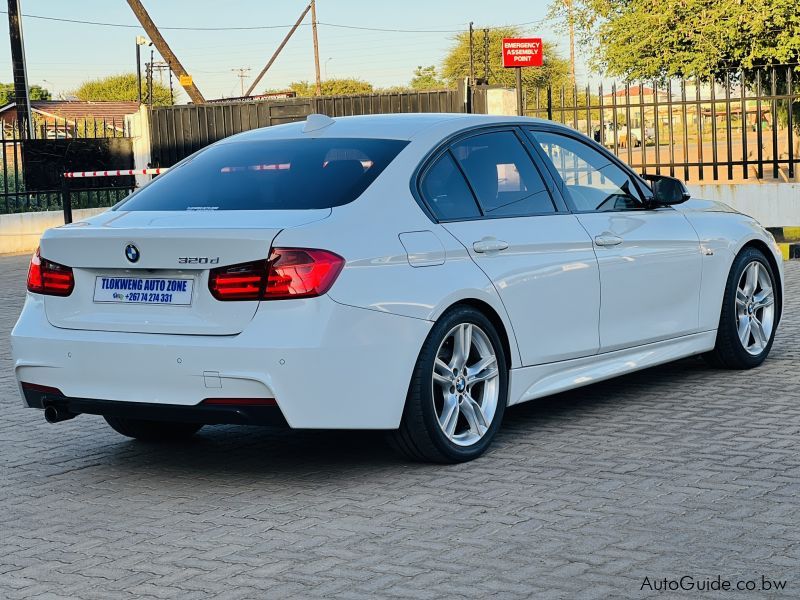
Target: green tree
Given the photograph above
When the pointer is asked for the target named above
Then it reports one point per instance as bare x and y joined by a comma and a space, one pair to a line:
650, 39
333, 87
35, 92
119, 88
427, 78
554, 71
393, 89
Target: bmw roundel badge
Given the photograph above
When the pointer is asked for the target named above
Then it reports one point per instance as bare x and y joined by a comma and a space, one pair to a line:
132, 253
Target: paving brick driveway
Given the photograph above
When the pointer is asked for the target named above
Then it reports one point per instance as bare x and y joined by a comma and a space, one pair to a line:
678, 470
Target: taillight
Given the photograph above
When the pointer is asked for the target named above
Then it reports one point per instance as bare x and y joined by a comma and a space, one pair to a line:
239, 282
288, 273
49, 278
301, 273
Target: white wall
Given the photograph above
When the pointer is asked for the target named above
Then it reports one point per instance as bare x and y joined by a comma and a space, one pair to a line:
773, 204
20, 232
501, 101
138, 125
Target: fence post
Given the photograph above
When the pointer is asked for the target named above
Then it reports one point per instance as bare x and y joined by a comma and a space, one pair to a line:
66, 199
549, 103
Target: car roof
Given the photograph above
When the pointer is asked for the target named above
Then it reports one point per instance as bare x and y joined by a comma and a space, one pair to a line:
402, 126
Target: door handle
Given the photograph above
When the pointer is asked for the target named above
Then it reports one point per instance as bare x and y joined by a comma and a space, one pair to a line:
489, 244
607, 239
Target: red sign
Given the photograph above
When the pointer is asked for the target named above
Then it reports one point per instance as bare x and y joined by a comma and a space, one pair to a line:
522, 52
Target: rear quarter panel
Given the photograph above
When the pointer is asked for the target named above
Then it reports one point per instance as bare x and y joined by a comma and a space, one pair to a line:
377, 274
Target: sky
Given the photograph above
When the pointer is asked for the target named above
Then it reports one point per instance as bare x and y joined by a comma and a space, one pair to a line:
61, 55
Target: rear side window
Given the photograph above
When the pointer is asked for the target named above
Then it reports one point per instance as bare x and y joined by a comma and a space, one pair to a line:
504, 178
446, 192
269, 175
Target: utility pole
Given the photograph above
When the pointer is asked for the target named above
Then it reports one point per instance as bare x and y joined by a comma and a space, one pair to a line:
241, 73
316, 44
471, 56
161, 66
278, 51
21, 98
571, 24
163, 48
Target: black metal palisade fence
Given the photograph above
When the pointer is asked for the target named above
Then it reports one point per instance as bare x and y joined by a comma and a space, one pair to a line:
743, 125
32, 168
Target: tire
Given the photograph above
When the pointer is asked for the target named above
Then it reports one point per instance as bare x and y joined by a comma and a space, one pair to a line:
755, 311
436, 395
153, 431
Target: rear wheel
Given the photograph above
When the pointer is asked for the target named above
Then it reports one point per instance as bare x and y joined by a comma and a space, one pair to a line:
153, 431
458, 391
749, 314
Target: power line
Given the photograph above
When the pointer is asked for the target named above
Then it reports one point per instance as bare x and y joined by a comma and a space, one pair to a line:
129, 26
386, 30
261, 27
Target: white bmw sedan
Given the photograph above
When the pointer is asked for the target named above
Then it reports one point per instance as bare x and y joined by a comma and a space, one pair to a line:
411, 273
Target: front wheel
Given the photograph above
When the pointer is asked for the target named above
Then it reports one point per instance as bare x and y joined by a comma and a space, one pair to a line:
749, 315
458, 391
153, 431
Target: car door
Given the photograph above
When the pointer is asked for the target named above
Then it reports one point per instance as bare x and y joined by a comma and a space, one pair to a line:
487, 192
650, 259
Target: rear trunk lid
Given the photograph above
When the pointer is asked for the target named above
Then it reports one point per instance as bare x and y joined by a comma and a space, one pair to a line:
165, 289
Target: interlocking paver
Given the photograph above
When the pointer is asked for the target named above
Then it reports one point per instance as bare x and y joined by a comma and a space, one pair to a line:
678, 470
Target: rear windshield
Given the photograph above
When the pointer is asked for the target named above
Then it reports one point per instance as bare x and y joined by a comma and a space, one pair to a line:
269, 175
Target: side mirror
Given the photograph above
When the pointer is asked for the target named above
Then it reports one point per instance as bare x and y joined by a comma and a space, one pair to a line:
667, 190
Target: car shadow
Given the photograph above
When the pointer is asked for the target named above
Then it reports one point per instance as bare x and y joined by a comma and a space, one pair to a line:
269, 453
606, 394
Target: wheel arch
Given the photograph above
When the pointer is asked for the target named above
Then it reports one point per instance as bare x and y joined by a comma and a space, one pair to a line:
729, 351
494, 317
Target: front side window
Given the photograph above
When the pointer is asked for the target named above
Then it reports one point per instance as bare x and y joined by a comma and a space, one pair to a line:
502, 175
593, 182
291, 174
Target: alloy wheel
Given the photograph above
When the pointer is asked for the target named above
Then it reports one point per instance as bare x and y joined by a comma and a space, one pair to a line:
755, 308
466, 384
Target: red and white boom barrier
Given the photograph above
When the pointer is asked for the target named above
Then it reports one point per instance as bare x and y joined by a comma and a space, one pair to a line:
65, 187
117, 173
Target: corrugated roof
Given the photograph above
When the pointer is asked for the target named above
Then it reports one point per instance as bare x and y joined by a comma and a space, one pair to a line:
78, 109
634, 91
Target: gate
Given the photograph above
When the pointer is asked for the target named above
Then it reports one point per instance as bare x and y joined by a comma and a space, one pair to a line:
31, 181
178, 131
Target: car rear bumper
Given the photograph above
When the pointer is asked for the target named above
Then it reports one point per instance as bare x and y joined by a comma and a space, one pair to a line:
326, 365
202, 413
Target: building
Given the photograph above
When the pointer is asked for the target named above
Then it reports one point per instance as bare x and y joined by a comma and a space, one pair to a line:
61, 118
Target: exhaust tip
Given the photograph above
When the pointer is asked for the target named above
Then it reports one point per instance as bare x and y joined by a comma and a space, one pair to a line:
53, 415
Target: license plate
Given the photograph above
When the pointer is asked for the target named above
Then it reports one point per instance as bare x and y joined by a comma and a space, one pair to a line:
144, 290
